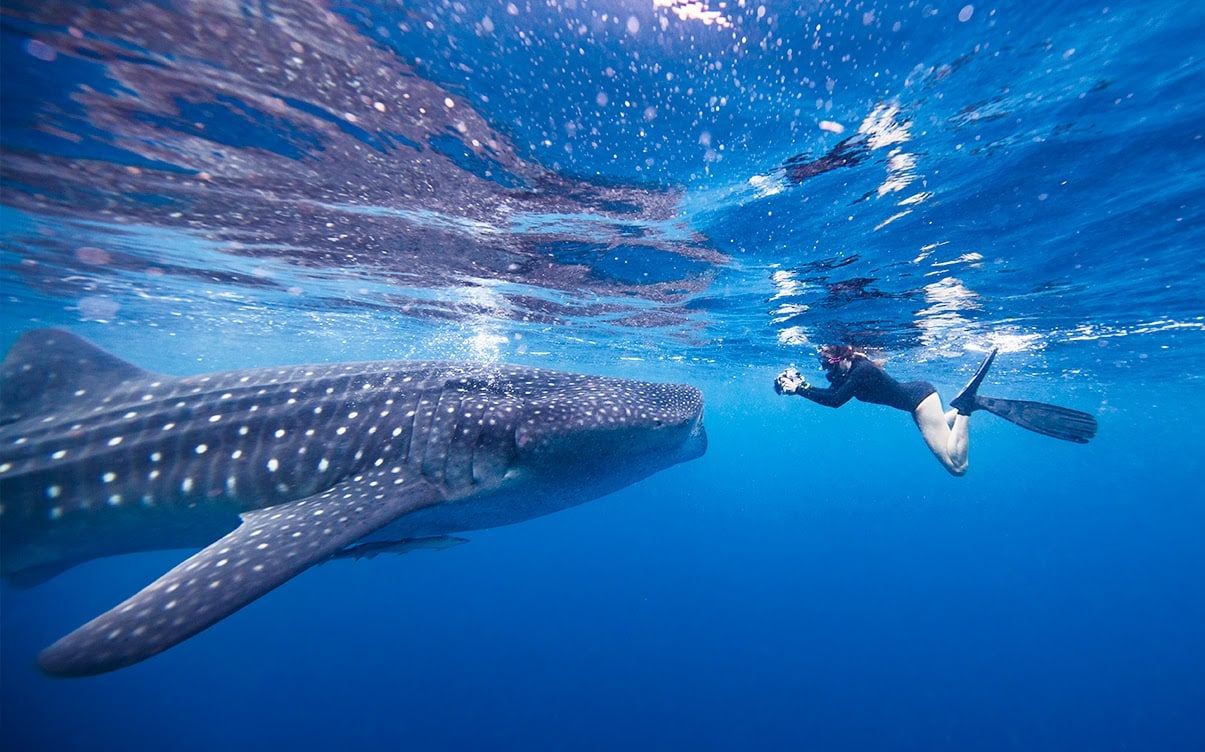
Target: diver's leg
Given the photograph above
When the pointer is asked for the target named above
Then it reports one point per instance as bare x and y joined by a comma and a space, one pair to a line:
949, 444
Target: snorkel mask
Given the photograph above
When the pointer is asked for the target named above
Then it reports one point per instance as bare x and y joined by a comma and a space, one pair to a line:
832, 355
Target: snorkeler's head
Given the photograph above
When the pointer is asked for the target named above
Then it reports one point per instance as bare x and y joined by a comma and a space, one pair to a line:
832, 355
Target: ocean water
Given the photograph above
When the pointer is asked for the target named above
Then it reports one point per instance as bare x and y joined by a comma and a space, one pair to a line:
698, 192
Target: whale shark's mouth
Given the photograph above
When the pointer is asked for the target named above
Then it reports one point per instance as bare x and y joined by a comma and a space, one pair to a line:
696, 442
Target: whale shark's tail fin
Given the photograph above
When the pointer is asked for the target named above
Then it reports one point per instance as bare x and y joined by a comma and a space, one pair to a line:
1048, 420
47, 366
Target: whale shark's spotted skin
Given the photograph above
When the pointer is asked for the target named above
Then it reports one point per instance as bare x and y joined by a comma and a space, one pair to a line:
286, 467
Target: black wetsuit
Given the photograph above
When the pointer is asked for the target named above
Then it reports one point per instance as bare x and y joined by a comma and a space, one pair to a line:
869, 383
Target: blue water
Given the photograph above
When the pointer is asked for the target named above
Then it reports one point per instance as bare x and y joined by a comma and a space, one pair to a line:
663, 191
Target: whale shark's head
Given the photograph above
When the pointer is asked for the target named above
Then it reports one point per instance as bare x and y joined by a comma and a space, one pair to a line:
582, 428
508, 443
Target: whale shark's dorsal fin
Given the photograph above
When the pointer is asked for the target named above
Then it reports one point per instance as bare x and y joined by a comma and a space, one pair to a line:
47, 365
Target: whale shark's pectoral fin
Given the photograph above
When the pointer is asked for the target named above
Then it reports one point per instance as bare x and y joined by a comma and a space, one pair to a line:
34, 576
271, 546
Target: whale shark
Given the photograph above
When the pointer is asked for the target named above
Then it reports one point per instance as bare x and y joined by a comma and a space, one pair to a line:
270, 471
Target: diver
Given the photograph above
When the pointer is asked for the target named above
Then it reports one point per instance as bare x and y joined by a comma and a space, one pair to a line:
853, 375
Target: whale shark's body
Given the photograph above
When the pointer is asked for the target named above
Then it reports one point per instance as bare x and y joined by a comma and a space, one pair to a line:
278, 469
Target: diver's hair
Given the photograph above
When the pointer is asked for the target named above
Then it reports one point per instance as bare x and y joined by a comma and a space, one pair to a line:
839, 352
829, 353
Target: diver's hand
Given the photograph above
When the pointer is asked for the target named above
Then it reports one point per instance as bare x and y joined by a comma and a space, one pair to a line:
790, 381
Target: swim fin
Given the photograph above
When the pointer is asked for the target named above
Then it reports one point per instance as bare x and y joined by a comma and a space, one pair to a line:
964, 403
1048, 420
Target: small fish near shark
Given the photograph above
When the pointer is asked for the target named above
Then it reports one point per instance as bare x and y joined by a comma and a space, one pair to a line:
274, 470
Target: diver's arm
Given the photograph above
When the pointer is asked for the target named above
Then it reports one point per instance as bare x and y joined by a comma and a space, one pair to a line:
831, 397
791, 381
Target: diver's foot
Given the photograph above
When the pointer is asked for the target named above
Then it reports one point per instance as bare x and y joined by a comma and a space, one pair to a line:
964, 403
790, 381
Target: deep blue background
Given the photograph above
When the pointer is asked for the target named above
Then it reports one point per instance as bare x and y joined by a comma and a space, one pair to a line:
815, 581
